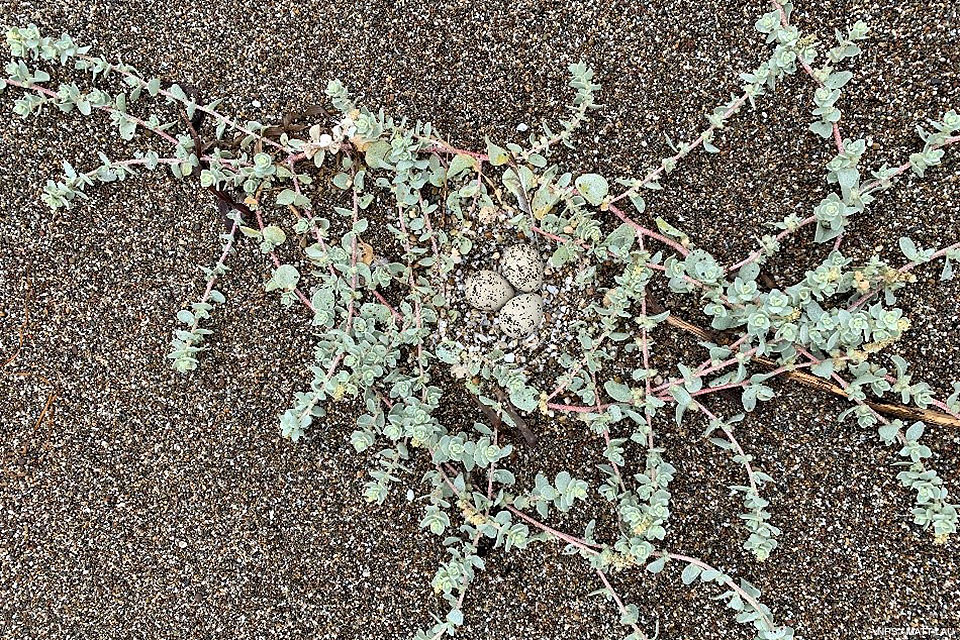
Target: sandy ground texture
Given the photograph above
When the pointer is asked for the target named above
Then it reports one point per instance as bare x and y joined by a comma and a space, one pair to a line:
138, 504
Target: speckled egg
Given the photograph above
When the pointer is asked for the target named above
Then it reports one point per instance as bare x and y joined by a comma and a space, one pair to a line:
488, 290
521, 315
522, 266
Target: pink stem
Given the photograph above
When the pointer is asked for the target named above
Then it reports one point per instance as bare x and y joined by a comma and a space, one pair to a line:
838, 140
53, 94
780, 236
276, 263
575, 541
623, 610
730, 583
653, 175
547, 234
648, 232
735, 443
904, 269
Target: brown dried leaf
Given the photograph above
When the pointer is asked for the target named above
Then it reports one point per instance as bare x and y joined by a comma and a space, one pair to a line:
366, 253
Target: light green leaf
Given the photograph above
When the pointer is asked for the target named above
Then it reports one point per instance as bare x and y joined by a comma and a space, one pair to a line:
823, 369
284, 277
274, 234
909, 249
459, 164
286, 197
888, 432
657, 565
690, 574
593, 187
523, 401
915, 431
617, 391
822, 128
342, 181
838, 79
497, 155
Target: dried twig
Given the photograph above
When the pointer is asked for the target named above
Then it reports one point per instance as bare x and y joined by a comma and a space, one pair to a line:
497, 420
46, 407
886, 408
23, 327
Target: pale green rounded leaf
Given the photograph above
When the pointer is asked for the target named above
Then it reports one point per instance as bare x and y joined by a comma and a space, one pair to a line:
285, 277
593, 187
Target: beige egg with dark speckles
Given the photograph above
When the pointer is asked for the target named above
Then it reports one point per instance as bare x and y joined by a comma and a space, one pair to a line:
487, 290
522, 315
522, 266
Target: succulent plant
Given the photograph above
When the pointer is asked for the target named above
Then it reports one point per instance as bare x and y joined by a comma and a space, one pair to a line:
378, 325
